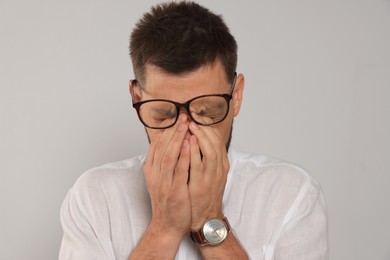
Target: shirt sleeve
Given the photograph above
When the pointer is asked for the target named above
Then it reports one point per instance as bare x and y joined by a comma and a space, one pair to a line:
303, 233
81, 238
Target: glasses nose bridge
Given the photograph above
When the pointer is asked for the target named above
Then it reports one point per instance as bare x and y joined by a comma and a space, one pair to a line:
184, 107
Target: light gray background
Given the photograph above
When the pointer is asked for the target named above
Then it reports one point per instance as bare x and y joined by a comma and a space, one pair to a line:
317, 93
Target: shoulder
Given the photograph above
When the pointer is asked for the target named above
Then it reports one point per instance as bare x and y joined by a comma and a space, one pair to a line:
278, 179
105, 189
99, 196
111, 173
108, 183
266, 166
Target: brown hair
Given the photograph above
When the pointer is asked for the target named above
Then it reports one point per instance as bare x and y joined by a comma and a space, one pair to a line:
180, 37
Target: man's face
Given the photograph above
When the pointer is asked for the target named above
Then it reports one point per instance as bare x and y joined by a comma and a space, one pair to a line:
210, 79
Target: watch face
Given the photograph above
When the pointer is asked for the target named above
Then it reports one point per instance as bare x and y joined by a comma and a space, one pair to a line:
214, 231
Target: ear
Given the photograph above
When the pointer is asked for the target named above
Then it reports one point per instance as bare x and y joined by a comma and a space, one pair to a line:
238, 93
135, 91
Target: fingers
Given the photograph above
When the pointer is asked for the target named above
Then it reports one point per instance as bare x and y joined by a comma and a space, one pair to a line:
196, 160
182, 166
213, 148
166, 138
172, 154
164, 151
152, 150
209, 141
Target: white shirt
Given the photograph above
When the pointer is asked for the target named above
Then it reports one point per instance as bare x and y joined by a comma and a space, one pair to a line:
276, 211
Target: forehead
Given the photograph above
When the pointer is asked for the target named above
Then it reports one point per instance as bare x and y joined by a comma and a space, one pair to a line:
209, 79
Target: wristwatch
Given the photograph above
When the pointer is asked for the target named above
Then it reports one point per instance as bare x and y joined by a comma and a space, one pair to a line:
213, 232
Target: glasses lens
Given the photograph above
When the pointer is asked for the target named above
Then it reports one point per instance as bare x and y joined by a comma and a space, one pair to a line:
209, 110
158, 114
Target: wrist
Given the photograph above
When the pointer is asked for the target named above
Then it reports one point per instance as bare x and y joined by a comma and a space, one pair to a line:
199, 222
157, 243
213, 232
166, 235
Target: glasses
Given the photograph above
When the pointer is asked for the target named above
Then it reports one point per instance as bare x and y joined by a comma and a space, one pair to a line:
204, 110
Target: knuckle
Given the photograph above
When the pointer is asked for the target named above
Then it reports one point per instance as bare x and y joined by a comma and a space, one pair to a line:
151, 186
226, 164
160, 145
227, 167
166, 159
213, 155
179, 169
195, 166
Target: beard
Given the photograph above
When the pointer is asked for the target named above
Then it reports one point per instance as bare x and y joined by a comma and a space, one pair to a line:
230, 138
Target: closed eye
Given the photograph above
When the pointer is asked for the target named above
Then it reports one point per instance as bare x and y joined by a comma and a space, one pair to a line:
163, 115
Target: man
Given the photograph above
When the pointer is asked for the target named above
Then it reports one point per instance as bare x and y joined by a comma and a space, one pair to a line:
191, 197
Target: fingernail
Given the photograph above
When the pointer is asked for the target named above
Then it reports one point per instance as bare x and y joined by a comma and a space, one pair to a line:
183, 117
194, 126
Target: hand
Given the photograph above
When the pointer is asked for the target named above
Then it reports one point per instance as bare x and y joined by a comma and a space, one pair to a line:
166, 172
208, 175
